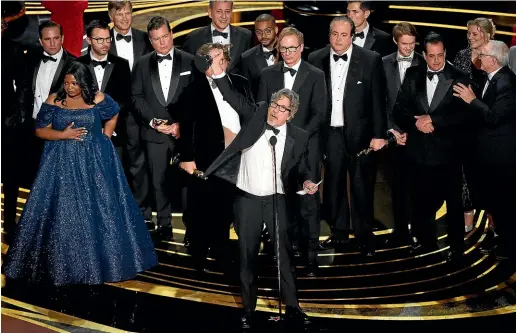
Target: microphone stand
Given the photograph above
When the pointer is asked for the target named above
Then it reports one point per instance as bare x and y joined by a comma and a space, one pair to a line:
273, 140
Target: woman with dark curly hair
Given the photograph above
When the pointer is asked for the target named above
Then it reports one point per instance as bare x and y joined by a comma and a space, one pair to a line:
80, 224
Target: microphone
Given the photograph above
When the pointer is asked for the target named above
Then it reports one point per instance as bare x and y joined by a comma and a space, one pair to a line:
391, 138
273, 140
176, 160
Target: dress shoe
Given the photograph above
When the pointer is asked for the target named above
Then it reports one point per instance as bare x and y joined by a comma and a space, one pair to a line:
397, 239
246, 321
163, 232
150, 225
294, 315
333, 243
418, 248
311, 268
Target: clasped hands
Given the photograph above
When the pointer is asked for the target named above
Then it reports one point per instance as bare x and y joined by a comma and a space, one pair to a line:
172, 129
424, 124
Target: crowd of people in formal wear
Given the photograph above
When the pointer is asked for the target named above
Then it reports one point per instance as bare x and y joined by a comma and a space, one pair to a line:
101, 141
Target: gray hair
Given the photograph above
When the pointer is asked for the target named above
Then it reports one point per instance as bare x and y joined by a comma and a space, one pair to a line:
499, 51
292, 96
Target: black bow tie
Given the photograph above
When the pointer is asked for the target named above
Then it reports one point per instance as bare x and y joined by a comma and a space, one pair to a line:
127, 38
399, 59
161, 58
343, 57
268, 54
359, 35
288, 69
218, 33
96, 63
431, 74
46, 58
272, 128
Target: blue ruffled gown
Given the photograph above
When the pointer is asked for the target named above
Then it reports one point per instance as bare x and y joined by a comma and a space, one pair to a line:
80, 224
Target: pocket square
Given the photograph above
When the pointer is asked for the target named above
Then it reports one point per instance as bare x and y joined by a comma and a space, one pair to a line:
185, 73
359, 82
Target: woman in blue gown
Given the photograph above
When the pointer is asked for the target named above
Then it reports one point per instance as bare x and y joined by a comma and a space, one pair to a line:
80, 224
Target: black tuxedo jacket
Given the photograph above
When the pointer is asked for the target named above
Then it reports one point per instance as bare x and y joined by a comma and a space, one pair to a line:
251, 65
495, 118
141, 44
294, 165
443, 146
379, 41
393, 83
117, 84
28, 88
240, 38
364, 101
147, 95
202, 136
311, 87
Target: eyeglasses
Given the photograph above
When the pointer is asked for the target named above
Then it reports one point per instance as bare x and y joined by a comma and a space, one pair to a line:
282, 108
263, 32
290, 49
101, 40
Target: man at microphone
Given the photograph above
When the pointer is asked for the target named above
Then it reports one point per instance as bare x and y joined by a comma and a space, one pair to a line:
266, 137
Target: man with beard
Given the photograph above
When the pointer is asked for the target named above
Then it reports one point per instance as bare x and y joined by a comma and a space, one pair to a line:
262, 55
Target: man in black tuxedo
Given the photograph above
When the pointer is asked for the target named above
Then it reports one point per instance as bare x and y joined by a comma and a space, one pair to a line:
209, 125
356, 121
131, 44
367, 36
248, 163
112, 76
158, 79
221, 31
434, 119
262, 55
395, 66
42, 74
494, 147
309, 83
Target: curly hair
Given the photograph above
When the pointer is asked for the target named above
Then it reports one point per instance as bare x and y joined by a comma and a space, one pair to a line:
83, 76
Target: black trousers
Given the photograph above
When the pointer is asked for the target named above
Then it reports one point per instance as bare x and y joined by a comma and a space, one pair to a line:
210, 207
158, 157
138, 168
306, 227
362, 172
432, 184
250, 214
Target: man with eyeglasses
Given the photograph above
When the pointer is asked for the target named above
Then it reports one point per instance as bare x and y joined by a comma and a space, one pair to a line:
492, 109
309, 83
112, 76
248, 163
221, 31
262, 55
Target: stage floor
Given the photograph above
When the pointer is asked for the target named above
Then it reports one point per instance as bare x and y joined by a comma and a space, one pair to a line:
391, 289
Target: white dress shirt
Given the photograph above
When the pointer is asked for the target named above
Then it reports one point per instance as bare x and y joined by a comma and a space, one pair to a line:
46, 72
99, 70
228, 116
165, 74
403, 65
220, 39
124, 49
339, 73
270, 60
256, 170
288, 79
489, 78
431, 85
361, 41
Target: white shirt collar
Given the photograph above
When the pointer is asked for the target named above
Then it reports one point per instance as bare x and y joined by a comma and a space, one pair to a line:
129, 33
171, 52
366, 30
493, 73
399, 55
348, 52
282, 129
225, 30
432, 71
296, 66
57, 56
94, 58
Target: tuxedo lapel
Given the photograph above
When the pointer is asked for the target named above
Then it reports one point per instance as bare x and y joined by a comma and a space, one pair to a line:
327, 74
301, 76
287, 153
112, 49
260, 60
58, 71
442, 88
107, 74
174, 80
353, 73
234, 39
395, 72
156, 83
370, 39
